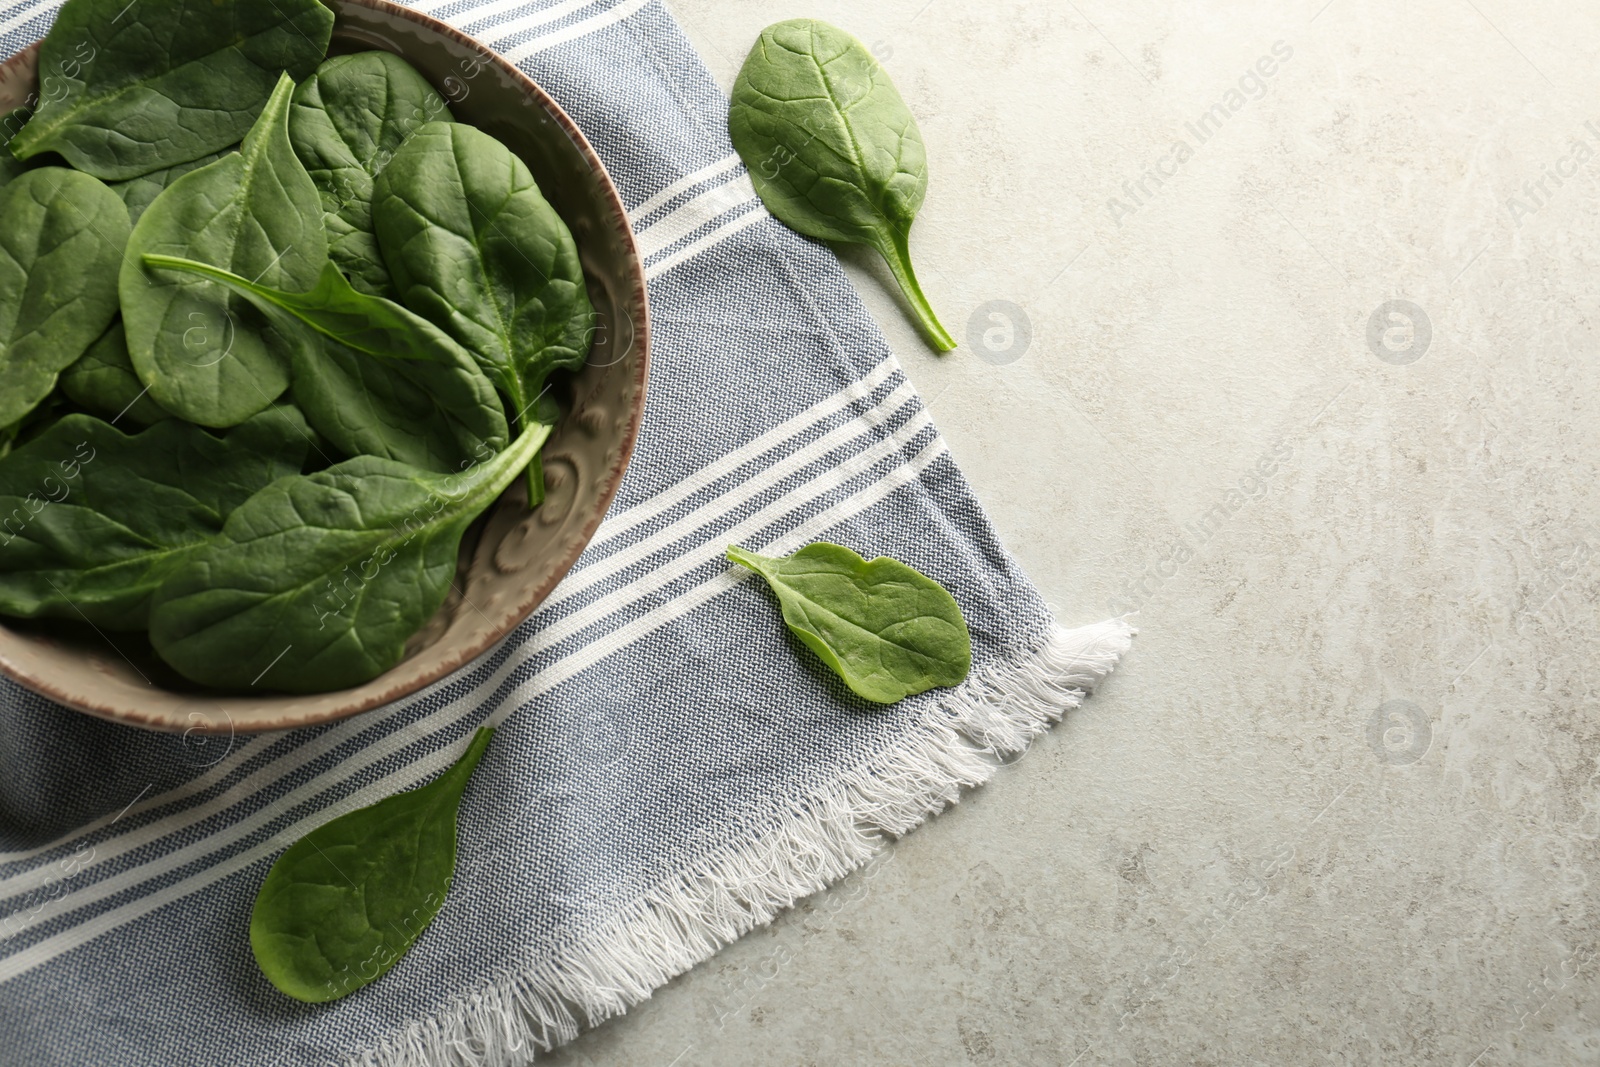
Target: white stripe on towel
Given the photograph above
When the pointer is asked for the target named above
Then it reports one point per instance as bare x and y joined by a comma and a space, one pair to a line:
518, 52
715, 237
657, 238
684, 184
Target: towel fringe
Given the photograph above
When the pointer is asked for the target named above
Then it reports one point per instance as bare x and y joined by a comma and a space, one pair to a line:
987, 719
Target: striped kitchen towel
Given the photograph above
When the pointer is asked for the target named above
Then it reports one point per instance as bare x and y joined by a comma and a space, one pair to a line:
669, 772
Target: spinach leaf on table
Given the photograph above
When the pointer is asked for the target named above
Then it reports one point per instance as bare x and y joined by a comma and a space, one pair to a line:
886, 629
474, 247
346, 122
207, 355
318, 580
61, 236
103, 381
139, 193
346, 901
127, 93
831, 147
91, 518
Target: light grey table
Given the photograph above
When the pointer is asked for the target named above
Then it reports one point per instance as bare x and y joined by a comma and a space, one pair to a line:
1341, 804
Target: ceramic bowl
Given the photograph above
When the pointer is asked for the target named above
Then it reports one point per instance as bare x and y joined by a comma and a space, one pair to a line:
511, 558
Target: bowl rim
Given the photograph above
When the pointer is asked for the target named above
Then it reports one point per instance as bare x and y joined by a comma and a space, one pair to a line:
634, 298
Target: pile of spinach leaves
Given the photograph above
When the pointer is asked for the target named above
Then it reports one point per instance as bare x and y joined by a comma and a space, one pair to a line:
274, 329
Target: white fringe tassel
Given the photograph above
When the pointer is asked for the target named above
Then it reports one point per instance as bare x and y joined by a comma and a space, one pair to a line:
990, 717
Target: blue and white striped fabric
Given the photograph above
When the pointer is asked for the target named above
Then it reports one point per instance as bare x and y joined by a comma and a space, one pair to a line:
670, 771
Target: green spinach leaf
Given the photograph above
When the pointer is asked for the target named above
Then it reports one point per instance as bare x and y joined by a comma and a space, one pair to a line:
831, 147
91, 518
207, 355
425, 414
372, 377
61, 235
370, 324
473, 247
886, 629
131, 88
346, 901
103, 381
318, 580
546, 411
346, 123
31, 425
139, 193
10, 123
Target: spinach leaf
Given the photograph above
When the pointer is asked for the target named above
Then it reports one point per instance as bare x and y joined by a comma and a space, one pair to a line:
346, 123
318, 580
139, 193
128, 90
207, 356
103, 381
831, 147
372, 377
32, 424
10, 123
887, 630
370, 324
61, 235
91, 518
473, 247
546, 411
346, 901
426, 414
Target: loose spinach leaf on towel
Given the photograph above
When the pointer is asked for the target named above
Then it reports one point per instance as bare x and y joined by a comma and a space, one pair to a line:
318, 580
61, 236
886, 629
474, 247
104, 382
831, 147
91, 518
123, 95
346, 123
207, 355
346, 901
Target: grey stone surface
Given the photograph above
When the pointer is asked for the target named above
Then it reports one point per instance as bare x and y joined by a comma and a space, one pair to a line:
1341, 805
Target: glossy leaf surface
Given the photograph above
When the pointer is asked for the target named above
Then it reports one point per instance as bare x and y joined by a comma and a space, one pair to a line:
62, 235
888, 630
91, 518
347, 121
346, 901
832, 148
208, 356
318, 580
475, 248
129, 88
103, 381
